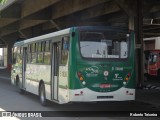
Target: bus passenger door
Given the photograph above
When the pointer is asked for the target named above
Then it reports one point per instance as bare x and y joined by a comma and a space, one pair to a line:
24, 67
55, 69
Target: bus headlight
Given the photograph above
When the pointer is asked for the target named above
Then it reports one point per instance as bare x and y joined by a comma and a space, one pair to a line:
84, 83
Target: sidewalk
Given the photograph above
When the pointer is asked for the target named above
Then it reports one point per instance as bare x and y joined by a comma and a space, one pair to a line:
152, 83
4, 73
151, 92
148, 96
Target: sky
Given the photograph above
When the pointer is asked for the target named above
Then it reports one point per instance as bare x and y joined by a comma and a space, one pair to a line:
0, 51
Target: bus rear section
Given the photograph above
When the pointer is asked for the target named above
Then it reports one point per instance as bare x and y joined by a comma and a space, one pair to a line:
104, 66
154, 63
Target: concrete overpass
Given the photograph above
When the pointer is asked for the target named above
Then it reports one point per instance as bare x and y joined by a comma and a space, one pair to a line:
23, 19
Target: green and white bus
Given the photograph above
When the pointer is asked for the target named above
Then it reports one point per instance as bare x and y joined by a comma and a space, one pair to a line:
78, 64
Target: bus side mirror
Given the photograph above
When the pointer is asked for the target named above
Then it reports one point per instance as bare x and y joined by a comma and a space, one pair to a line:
65, 43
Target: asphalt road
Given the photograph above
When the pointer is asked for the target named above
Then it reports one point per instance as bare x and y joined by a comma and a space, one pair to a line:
11, 100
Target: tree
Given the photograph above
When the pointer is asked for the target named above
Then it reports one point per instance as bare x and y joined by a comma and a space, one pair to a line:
3, 1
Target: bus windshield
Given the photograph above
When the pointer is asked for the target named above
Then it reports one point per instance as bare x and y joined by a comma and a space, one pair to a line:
104, 44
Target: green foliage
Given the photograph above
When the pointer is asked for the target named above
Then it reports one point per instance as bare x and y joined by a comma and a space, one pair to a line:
3, 1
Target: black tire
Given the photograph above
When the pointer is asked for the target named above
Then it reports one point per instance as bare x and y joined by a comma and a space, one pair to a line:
22, 91
42, 95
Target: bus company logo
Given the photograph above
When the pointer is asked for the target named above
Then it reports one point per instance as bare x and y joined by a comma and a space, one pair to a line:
106, 73
116, 75
93, 70
21, 114
6, 114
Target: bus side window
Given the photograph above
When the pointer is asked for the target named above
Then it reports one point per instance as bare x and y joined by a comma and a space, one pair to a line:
65, 50
47, 54
19, 56
39, 53
29, 54
33, 50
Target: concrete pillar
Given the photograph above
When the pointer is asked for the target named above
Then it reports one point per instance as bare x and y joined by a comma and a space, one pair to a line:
8, 61
9, 53
1, 57
139, 43
5, 56
157, 43
136, 24
131, 23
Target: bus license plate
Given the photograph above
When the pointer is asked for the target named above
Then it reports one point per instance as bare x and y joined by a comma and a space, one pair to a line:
105, 85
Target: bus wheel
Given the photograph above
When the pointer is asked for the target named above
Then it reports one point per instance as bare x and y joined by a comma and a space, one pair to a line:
42, 95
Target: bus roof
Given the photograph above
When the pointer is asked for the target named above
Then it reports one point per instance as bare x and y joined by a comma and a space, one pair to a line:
43, 37
106, 28
20, 43
63, 32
